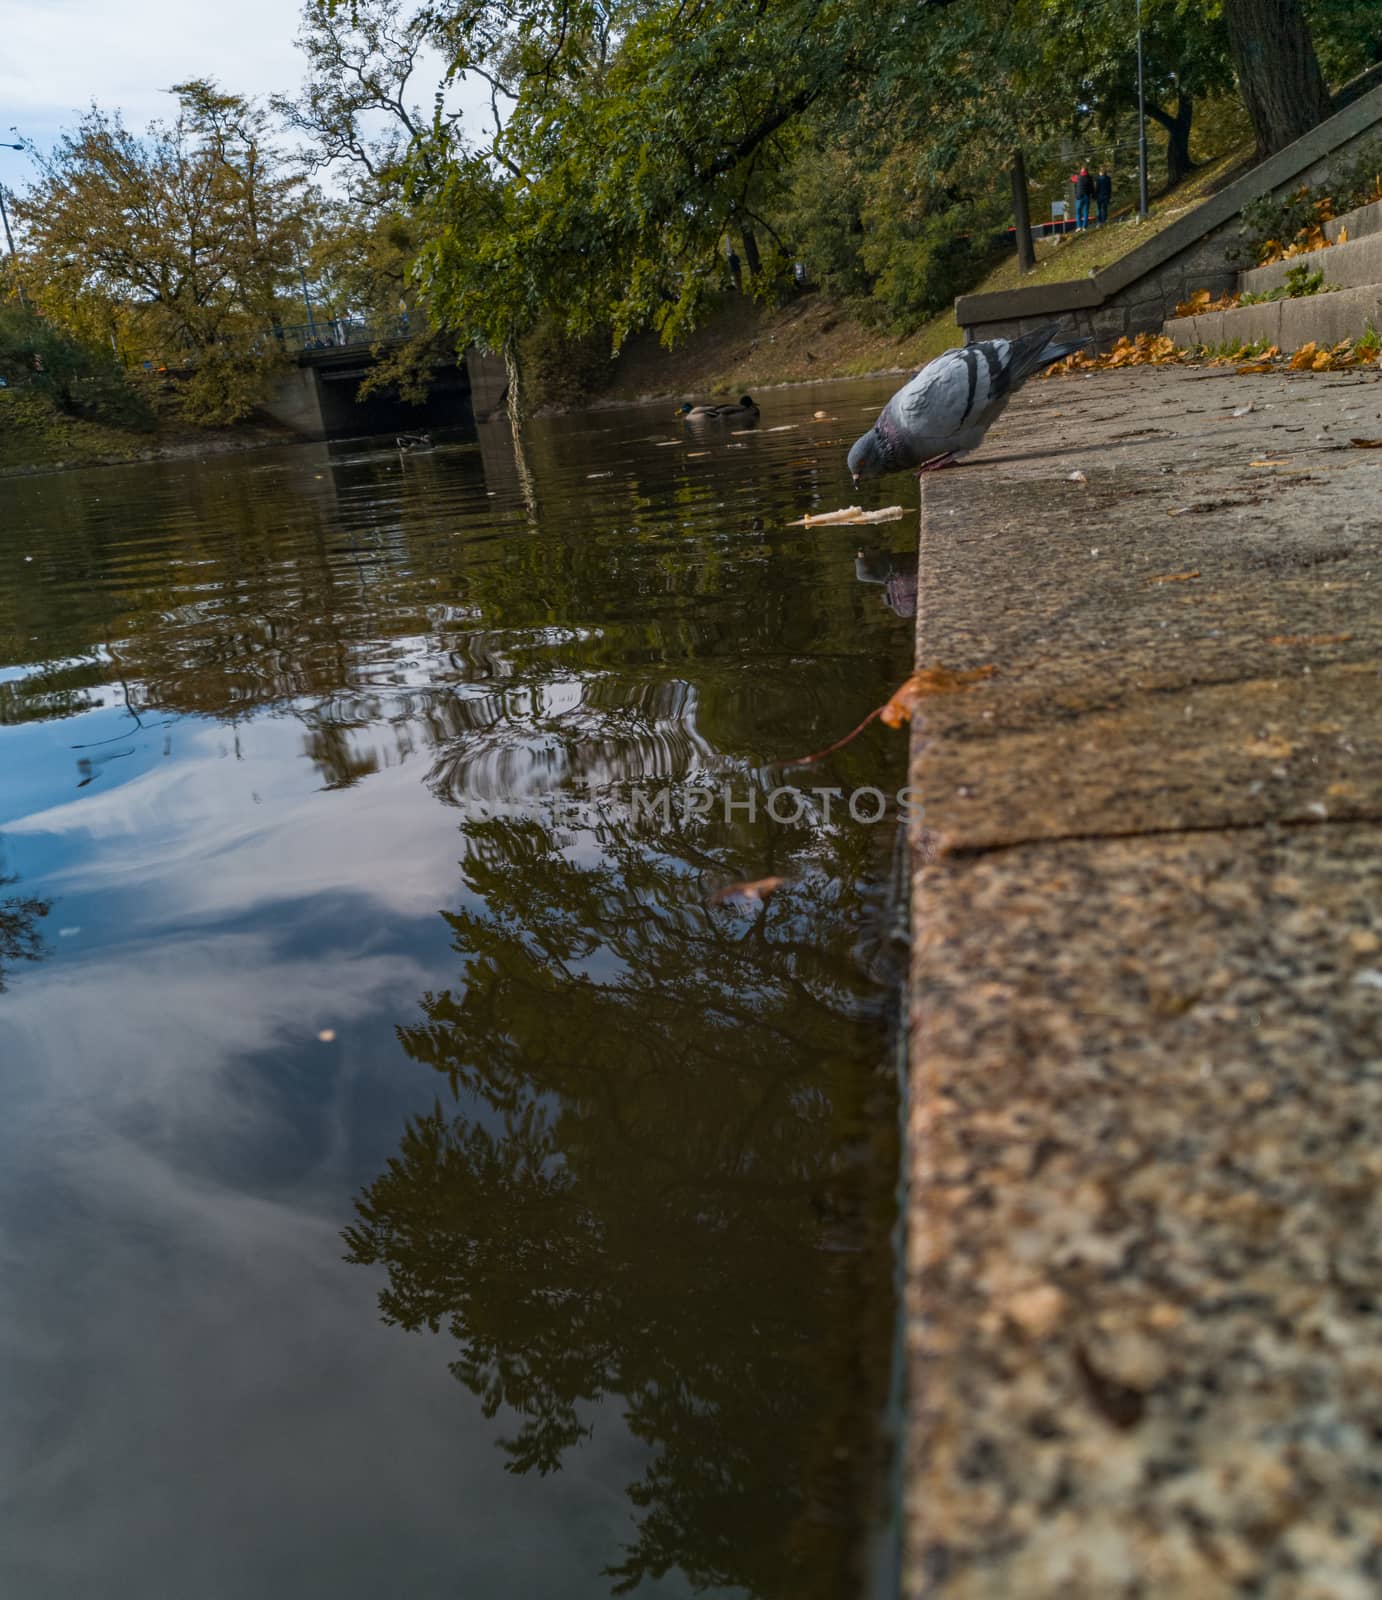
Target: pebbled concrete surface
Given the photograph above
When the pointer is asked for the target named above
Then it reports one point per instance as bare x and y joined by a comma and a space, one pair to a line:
1144, 1300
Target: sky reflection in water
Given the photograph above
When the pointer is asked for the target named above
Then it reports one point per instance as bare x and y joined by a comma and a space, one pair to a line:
401, 1193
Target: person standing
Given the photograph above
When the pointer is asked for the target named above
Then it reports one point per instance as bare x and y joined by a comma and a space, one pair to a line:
1103, 193
1084, 193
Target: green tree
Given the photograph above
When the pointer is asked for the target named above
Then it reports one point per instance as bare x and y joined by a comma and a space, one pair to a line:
79, 379
1186, 60
359, 115
638, 140
184, 235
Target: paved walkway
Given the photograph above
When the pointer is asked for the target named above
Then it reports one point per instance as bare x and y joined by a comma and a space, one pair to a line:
1145, 1255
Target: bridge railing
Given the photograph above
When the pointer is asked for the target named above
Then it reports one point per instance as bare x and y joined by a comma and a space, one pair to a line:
333, 333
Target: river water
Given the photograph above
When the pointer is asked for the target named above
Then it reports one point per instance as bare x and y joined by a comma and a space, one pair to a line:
413, 1181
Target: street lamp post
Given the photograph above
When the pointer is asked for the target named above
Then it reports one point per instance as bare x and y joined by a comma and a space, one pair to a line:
306, 298
1141, 127
9, 237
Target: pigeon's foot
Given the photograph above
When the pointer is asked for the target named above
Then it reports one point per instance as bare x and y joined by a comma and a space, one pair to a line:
948, 459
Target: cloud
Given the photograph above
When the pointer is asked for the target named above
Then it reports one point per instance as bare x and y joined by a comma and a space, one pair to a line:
203, 837
60, 55
153, 1028
198, 1395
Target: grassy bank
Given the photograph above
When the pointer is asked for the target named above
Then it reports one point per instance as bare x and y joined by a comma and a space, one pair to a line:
744, 346
37, 437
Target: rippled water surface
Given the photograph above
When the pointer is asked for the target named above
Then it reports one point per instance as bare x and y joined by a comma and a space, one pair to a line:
411, 1184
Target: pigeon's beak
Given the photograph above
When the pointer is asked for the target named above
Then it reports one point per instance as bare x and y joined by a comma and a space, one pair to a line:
855, 476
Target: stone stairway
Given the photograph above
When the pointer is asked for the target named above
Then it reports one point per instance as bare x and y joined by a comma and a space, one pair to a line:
1346, 311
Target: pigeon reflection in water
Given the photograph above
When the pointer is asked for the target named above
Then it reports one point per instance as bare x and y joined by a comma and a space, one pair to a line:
897, 574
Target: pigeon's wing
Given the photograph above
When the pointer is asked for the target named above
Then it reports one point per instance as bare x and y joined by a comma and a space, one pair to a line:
951, 403
938, 403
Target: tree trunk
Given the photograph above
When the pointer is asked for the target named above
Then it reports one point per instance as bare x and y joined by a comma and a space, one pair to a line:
1178, 162
1022, 217
1278, 74
751, 256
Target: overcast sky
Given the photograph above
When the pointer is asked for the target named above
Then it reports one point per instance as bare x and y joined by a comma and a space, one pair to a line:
57, 56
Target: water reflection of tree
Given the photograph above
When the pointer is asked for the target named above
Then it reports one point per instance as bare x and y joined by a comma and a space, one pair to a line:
664, 1179
20, 938
293, 594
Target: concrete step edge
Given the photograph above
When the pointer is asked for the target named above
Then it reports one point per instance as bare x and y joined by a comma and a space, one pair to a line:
1321, 319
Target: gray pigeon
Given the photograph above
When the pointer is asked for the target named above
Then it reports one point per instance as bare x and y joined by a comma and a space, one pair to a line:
950, 405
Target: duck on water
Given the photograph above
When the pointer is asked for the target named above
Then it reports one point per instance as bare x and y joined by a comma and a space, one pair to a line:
744, 407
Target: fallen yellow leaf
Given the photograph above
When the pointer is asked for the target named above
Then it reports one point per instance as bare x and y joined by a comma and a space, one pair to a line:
1176, 577
929, 681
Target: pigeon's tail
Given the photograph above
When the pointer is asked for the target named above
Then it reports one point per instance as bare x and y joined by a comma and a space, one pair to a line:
1041, 348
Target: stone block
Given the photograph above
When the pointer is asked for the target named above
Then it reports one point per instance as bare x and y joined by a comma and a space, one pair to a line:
1361, 224
1147, 316
1328, 318
1209, 327
1109, 323
1248, 323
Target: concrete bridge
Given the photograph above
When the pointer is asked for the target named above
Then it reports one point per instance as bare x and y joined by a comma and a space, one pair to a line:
319, 396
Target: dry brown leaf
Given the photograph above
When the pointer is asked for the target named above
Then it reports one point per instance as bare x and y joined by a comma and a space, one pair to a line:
1312, 238
929, 681
1202, 301
759, 889
1254, 366
1146, 350
1175, 577
1343, 234
1310, 638
1365, 444
1304, 357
